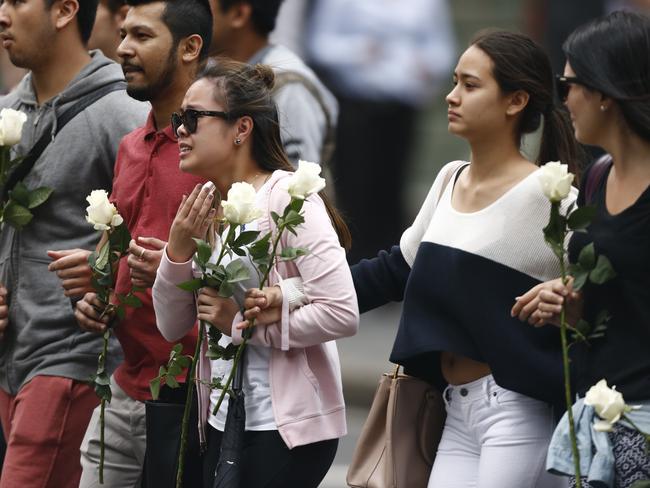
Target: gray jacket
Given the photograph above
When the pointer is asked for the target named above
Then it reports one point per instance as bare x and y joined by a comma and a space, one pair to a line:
43, 337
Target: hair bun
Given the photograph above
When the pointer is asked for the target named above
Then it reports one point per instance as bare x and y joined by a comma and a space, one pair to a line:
266, 74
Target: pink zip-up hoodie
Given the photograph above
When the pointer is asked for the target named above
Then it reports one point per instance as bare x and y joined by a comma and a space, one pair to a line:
305, 377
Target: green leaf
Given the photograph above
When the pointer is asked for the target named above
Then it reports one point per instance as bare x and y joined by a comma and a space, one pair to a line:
295, 204
291, 253
102, 379
119, 238
175, 369
104, 392
102, 257
587, 257
226, 290
184, 361
236, 271
171, 381
20, 194
246, 238
555, 230
120, 312
603, 271
293, 219
191, 285
177, 349
641, 484
16, 215
203, 251
131, 301
580, 276
39, 196
154, 387
581, 217
275, 217
260, 248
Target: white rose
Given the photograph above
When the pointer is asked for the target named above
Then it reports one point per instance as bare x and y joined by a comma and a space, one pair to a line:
101, 212
305, 181
240, 207
11, 126
556, 181
608, 404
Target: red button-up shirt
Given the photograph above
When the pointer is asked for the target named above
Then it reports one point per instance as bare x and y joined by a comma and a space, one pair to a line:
147, 190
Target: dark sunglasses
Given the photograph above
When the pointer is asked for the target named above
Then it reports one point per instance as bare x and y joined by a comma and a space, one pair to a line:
563, 85
190, 118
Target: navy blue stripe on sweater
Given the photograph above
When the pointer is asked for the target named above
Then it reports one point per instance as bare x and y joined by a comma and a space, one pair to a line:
460, 302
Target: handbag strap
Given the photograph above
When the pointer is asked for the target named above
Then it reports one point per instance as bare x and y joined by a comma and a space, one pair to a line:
35, 152
595, 176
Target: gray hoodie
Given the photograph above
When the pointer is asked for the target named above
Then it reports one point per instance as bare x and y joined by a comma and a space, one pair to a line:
43, 337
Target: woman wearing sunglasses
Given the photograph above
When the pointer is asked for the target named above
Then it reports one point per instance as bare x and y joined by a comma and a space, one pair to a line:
606, 87
475, 244
228, 132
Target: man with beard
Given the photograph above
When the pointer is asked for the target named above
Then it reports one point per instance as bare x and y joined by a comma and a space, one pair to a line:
163, 44
45, 360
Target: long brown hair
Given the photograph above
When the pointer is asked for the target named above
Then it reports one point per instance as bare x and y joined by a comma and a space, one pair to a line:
246, 90
521, 64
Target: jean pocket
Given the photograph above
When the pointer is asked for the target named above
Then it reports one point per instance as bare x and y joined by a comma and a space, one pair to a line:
509, 398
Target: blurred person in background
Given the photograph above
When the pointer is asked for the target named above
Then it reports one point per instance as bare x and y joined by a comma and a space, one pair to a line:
384, 60
307, 110
290, 25
106, 32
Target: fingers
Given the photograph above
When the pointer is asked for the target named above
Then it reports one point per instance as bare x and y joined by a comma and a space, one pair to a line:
200, 207
152, 242
207, 295
87, 313
69, 259
525, 299
188, 202
255, 298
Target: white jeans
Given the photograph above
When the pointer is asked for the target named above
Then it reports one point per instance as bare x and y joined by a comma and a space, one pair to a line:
125, 441
493, 438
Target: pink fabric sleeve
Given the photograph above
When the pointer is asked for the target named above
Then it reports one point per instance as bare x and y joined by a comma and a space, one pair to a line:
175, 308
332, 311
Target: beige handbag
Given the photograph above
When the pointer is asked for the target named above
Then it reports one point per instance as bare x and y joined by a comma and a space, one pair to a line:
399, 440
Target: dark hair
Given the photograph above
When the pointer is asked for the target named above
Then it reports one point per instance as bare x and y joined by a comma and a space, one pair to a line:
521, 64
185, 18
263, 13
612, 55
115, 5
85, 16
246, 90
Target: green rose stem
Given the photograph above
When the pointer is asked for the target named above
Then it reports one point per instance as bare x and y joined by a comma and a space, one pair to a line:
189, 381
555, 207
102, 408
101, 366
247, 332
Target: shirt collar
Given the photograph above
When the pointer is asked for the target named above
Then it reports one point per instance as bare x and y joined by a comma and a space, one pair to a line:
151, 131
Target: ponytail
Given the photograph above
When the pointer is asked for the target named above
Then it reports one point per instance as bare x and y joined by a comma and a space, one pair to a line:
558, 142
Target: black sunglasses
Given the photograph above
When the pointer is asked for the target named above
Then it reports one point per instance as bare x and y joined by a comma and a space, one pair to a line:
563, 85
190, 118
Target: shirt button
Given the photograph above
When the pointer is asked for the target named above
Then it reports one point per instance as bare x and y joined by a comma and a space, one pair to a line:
463, 392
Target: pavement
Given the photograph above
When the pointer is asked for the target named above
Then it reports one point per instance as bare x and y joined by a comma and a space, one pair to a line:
364, 358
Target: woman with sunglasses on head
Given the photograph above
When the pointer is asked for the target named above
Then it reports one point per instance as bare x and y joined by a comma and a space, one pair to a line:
227, 133
606, 87
476, 243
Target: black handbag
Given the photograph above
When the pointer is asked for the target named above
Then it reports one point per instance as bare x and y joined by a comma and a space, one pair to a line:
163, 427
229, 467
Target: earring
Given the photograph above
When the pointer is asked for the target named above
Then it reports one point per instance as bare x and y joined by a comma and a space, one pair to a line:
603, 108
238, 141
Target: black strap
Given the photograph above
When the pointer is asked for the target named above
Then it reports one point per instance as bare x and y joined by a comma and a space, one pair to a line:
35, 152
595, 176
